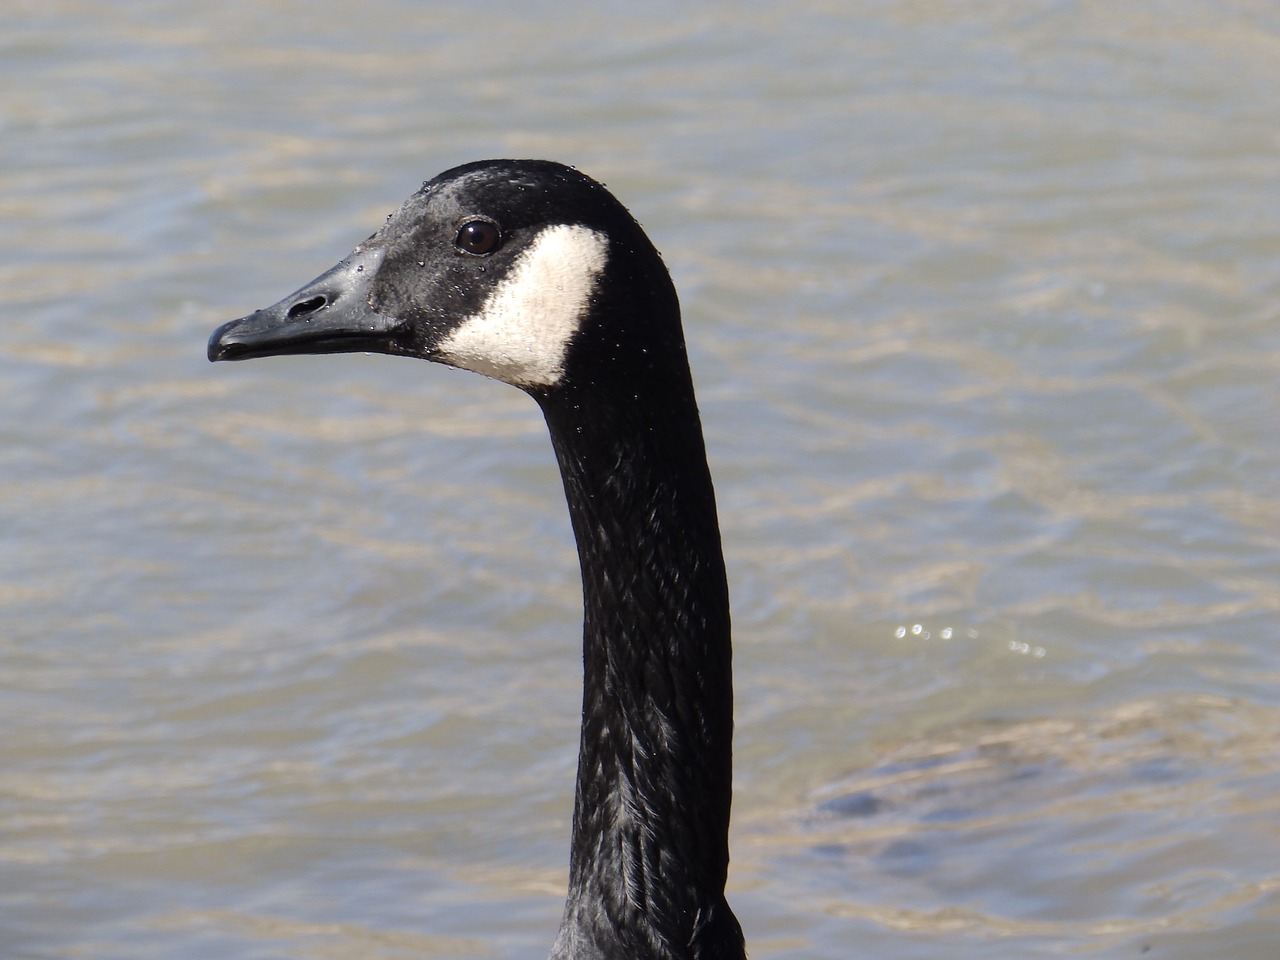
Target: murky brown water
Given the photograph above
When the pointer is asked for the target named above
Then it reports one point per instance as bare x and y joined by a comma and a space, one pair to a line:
983, 304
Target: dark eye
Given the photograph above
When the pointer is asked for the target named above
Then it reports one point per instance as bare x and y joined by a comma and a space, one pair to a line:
478, 237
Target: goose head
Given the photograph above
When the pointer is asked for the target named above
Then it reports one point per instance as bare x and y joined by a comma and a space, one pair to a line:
525, 271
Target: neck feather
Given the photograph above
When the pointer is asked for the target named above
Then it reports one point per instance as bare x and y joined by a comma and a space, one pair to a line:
650, 844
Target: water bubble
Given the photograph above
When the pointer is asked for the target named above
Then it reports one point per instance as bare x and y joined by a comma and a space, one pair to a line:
1026, 649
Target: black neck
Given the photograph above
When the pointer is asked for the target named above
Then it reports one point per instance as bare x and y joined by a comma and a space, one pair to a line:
650, 827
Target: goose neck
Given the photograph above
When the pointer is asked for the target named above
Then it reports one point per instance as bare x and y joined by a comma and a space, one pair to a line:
650, 831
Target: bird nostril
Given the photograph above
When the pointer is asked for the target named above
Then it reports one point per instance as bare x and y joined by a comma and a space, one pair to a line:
303, 307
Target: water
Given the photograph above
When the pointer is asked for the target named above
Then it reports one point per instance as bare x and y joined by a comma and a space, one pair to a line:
982, 304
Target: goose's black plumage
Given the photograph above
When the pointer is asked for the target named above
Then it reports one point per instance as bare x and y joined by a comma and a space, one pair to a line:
533, 273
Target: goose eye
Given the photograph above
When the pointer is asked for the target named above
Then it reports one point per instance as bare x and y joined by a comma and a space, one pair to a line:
478, 237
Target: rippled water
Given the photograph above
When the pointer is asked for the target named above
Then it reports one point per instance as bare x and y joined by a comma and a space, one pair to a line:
983, 307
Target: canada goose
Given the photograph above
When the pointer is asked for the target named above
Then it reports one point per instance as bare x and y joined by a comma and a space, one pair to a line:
532, 273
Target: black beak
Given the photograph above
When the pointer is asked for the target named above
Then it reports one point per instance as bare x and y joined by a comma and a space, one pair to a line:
331, 314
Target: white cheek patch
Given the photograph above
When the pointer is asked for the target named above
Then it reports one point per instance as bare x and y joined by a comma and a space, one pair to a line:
522, 333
